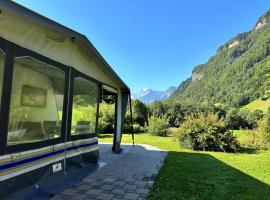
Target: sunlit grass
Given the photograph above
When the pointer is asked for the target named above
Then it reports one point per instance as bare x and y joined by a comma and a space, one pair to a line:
258, 104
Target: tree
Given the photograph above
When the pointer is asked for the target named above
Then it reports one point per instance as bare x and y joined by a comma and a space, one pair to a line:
140, 112
234, 121
175, 115
157, 109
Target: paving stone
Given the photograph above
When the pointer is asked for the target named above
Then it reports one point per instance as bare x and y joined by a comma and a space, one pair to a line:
89, 180
130, 180
80, 196
118, 191
105, 196
131, 190
64, 196
140, 183
128, 175
118, 187
143, 196
94, 191
118, 196
142, 191
69, 192
130, 187
96, 186
84, 187
106, 187
56, 197
141, 186
131, 196
91, 196
110, 180
97, 183
120, 183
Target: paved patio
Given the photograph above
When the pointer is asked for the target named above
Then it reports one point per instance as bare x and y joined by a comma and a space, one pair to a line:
128, 175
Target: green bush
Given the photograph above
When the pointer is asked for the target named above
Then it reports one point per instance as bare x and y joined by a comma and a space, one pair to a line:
259, 138
106, 118
136, 127
254, 139
235, 121
206, 132
157, 126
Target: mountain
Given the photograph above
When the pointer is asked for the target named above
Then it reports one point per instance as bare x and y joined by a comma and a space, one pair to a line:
148, 95
236, 75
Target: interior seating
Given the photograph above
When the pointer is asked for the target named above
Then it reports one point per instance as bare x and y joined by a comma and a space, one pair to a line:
33, 130
51, 129
82, 127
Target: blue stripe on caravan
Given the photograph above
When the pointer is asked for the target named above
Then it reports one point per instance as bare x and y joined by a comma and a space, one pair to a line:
21, 162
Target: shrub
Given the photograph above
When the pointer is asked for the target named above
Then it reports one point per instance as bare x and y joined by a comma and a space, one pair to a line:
206, 132
157, 126
254, 139
234, 120
251, 118
136, 127
106, 118
259, 138
105, 127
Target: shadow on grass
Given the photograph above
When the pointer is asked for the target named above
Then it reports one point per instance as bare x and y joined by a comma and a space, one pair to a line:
248, 150
199, 176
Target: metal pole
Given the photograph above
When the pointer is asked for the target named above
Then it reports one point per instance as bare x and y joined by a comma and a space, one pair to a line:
131, 119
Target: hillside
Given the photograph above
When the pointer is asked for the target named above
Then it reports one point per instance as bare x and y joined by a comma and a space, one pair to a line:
236, 75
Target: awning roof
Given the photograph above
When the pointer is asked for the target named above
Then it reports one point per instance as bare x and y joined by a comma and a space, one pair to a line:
84, 42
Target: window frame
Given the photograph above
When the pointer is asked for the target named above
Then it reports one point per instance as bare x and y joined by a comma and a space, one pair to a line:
7, 49
76, 74
12, 51
23, 52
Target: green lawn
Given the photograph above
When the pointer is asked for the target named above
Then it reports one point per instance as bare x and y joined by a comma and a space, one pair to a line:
207, 175
258, 104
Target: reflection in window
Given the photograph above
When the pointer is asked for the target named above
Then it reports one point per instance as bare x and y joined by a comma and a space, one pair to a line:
2, 63
84, 109
36, 101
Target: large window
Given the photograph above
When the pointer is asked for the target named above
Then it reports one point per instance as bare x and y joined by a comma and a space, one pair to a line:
36, 101
84, 108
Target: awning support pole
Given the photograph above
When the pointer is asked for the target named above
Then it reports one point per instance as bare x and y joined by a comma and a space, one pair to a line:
131, 119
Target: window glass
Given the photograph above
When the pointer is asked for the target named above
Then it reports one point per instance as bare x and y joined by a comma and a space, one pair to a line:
2, 63
84, 109
36, 101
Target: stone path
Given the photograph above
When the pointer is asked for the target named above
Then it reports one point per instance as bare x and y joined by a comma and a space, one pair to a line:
128, 175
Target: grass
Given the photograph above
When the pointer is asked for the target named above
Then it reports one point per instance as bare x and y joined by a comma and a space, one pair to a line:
161, 142
258, 104
238, 133
207, 175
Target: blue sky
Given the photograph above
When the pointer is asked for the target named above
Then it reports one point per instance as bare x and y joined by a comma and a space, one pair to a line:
154, 43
